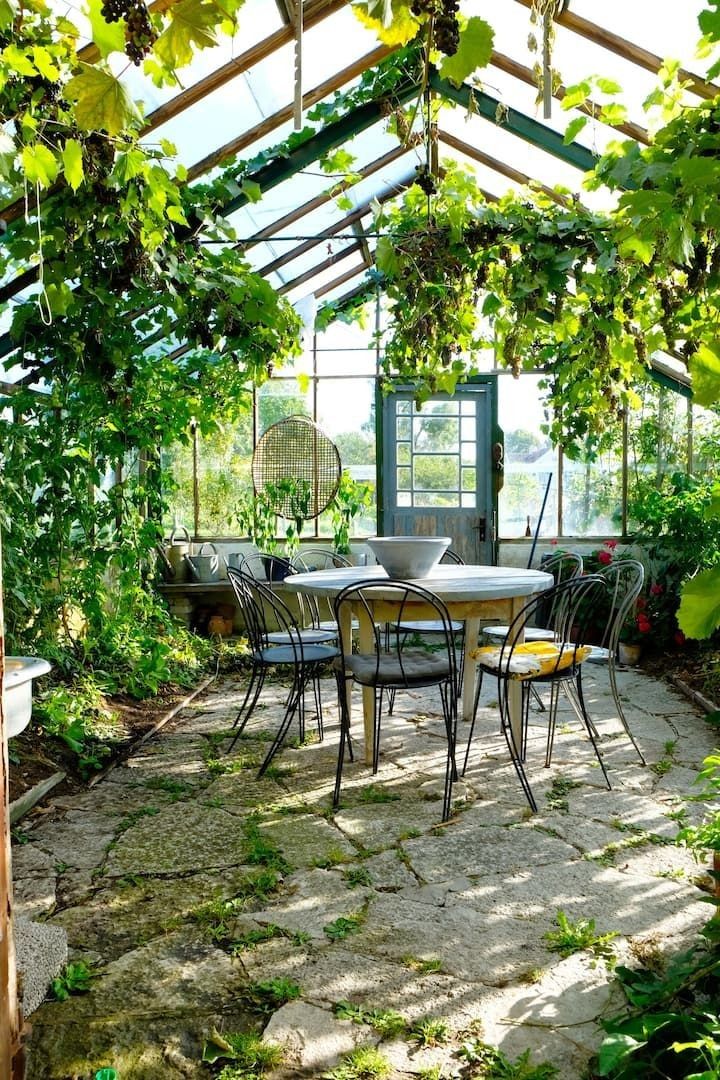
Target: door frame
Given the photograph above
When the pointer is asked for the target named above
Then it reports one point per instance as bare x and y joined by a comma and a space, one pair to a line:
497, 444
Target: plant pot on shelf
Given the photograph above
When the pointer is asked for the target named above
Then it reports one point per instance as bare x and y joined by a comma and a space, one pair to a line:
628, 654
277, 569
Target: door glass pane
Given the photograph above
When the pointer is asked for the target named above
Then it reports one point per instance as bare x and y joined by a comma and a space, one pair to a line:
437, 498
435, 433
403, 453
402, 428
468, 428
436, 472
468, 479
468, 500
467, 408
440, 408
404, 498
404, 479
469, 452
403, 408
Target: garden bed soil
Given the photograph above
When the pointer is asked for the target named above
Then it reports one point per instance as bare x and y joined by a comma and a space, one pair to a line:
35, 757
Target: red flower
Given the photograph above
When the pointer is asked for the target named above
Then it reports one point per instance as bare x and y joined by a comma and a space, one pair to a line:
553, 543
643, 624
656, 590
604, 557
612, 544
641, 603
679, 637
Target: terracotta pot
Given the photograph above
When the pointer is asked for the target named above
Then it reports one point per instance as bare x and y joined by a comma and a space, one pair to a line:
629, 655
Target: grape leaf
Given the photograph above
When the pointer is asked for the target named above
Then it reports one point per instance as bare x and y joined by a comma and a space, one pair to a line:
401, 29
474, 51
45, 64
7, 14
705, 371
699, 612
192, 25
40, 164
73, 163
574, 128
109, 37
102, 102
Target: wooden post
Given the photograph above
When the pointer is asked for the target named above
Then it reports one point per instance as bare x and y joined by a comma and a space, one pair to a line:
12, 1065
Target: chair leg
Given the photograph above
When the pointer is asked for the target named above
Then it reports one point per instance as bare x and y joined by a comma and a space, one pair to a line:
537, 699
552, 720
257, 679
377, 697
621, 712
295, 704
510, 739
589, 728
450, 711
344, 737
478, 688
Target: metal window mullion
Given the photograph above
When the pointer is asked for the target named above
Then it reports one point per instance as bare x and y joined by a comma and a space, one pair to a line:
560, 493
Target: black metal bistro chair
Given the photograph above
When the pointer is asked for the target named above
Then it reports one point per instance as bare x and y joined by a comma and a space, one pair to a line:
393, 665
276, 640
556, 663
624, 581
310, 559
564, 566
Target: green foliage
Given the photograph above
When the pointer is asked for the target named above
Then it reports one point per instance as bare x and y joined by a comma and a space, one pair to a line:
351, 498
78, 716
571, 937
671, 1027
357, 875
343, 926
705, 836
558, 792
365, 1063
490, 1063
270, 994
386, 1022
75, 978
431, 1031
250, 1056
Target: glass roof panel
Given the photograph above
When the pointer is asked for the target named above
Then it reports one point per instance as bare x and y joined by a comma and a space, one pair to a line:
654, 24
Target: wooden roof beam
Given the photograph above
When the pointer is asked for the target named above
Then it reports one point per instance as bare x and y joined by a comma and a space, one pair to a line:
590, 108
234, 146
337, 257
347, 276
628, 50
315, 12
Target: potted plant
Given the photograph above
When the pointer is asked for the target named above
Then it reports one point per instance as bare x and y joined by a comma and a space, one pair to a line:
633, 634
350, 498
255, 515
290, 497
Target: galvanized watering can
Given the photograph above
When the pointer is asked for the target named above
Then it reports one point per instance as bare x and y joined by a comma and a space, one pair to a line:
235, 560
205, 568
175, 555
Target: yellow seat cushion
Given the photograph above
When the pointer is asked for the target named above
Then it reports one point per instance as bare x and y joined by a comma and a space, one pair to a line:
531, 658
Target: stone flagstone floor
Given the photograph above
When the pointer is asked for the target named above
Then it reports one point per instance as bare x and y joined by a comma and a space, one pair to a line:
373, 904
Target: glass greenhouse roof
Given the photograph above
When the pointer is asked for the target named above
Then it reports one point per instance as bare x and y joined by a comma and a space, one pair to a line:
236, 101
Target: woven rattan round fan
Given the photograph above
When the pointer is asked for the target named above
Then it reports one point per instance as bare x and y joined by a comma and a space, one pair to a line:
295, 449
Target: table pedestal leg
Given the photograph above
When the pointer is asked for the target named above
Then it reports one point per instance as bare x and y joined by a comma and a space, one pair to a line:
345, 627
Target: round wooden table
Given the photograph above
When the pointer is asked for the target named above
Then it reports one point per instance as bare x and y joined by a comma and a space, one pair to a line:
471, 594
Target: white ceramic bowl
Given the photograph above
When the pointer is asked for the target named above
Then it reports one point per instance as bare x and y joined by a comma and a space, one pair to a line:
409, 557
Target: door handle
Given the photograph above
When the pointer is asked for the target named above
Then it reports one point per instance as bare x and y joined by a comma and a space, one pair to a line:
481, 528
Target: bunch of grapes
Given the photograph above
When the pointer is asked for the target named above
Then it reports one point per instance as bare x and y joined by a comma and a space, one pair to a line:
446, 32
425, 180
139, 31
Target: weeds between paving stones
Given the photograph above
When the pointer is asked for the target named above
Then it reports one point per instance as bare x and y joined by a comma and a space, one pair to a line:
259, 850
432, 1031
175, 788
75, 978
666, 762
271, 994
344, 926
429, 966
560, 788
215, 915
608, 855
365, 1063
373, 793
571, 937
357, 875
491, 1064
334, 857
386, 1022
250, 1056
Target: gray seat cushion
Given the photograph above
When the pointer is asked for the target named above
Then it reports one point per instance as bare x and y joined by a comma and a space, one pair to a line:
418, 667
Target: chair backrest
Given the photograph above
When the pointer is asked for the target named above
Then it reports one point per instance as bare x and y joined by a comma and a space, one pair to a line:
270, 569
318, 559
564, 566
624, 581
572, 605
263, 611
391, 602
451, 556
